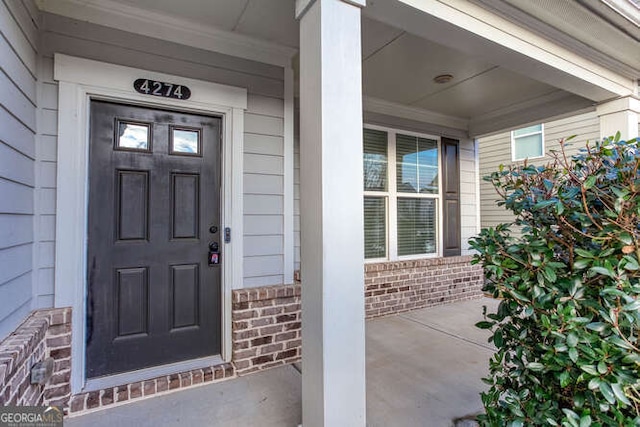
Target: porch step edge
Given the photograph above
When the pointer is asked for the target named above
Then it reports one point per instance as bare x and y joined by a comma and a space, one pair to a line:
93, 401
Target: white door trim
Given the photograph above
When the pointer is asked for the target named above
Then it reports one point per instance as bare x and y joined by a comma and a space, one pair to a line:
80, 80
289, 193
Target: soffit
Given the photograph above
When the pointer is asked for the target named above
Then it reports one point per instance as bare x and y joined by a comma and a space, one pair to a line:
223, 14
402, 71
272, 20
496, 89
376, 35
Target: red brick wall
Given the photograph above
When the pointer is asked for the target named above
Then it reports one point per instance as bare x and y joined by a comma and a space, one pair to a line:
266, 327
393, 287
45, 333
266, 321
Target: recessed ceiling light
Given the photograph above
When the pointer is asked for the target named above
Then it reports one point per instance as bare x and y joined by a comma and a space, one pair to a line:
443, 78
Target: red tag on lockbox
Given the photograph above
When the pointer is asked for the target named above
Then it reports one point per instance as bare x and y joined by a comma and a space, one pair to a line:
214, 258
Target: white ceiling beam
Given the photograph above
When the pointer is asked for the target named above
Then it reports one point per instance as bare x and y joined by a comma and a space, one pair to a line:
161, 26
380, 106
532, 111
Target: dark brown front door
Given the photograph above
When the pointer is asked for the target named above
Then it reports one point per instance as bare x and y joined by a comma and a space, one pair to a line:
154, 191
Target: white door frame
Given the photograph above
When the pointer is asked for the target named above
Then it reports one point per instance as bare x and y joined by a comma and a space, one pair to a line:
81, 80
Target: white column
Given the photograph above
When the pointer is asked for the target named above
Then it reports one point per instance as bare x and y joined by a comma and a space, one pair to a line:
620, 115
332, 236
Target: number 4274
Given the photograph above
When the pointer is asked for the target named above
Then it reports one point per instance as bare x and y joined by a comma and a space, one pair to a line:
156, 88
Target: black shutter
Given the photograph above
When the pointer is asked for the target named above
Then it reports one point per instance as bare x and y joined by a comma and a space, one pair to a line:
451, 197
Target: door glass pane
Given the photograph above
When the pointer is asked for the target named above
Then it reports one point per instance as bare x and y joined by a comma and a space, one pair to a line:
133, 136
528, 146
416, 226
185, 141
375, 160
416, 164
375, 227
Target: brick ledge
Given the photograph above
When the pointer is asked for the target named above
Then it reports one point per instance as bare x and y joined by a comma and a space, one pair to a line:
93, 401
415, 263
265, 293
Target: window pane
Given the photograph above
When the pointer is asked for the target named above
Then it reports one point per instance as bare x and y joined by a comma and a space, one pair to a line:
417, 164
185, 141
416, 226
375, 227
528, 146
530, 129
375, 160
133, 136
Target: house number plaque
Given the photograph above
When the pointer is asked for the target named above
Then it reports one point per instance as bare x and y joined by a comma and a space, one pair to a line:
163, 89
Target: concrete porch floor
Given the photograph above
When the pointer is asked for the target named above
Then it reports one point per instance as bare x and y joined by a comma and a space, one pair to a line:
423, 369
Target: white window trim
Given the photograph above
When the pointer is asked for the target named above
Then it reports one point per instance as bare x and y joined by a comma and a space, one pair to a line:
81, 80
513, 143
393, 195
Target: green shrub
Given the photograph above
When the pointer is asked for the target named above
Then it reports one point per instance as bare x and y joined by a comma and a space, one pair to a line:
567, 328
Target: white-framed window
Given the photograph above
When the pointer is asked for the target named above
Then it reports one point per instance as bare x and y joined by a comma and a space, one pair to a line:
527, 143
402, 194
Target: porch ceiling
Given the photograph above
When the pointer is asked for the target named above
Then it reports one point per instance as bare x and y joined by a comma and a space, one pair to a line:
398, 64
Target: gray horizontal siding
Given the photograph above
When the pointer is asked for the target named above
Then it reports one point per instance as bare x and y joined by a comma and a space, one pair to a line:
18, 64
45, 223
496, 150
264, 191
263, 139
16, 33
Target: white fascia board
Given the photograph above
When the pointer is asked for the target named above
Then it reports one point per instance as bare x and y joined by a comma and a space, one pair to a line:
153, 24
510, 35
625, 8
375, 105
